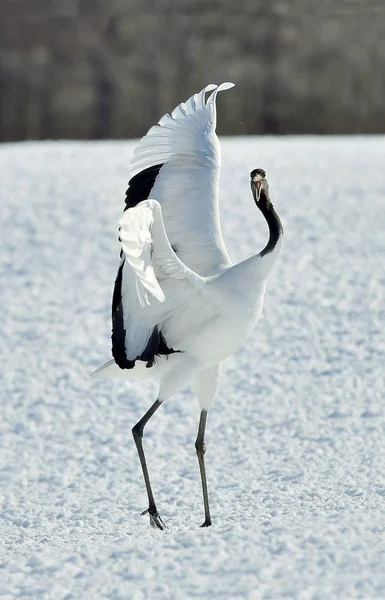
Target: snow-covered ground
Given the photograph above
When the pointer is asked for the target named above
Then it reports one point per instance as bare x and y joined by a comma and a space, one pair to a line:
296, 436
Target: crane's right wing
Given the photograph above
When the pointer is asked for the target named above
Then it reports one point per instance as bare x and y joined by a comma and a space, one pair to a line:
178, 162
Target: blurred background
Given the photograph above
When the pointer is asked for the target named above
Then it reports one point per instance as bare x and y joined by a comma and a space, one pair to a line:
91, 69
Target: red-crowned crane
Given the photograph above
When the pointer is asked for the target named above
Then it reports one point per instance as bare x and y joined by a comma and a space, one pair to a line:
179, 305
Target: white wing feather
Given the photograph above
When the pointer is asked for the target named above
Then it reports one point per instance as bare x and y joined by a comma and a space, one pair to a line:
186, 144
149, 263
136, 243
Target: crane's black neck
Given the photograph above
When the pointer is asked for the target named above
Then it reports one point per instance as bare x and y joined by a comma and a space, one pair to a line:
273, 221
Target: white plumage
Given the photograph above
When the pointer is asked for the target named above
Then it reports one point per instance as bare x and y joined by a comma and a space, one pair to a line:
186, 144
149, 264
179, 305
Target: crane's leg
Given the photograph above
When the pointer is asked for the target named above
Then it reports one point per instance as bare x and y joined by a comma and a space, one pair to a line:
137, 432
180, 369
200, 447
206, 384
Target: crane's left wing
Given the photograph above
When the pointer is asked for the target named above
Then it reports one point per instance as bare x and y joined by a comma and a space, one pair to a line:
178, 162
140, 305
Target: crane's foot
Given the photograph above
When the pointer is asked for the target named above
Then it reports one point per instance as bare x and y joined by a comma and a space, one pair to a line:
207, 523
155, 520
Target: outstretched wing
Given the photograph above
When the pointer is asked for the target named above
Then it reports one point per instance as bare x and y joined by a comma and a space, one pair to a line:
178, 163
140, 304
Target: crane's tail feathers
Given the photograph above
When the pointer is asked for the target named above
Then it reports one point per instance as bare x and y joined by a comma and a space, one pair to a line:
111, 369
106, 370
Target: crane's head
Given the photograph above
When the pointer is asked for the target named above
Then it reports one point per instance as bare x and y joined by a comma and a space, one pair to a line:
259, 183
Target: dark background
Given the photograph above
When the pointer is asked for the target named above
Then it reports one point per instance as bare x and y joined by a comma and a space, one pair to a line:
110, 68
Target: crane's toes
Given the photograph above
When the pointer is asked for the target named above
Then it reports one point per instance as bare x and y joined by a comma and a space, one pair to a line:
207, 523
157, 522
155, 519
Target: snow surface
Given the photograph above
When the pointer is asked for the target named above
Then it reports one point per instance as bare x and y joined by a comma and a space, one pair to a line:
295, 460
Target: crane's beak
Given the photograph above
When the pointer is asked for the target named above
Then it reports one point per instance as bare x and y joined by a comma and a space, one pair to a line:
258, 184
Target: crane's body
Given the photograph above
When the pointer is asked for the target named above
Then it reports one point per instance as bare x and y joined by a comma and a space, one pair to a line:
179, 306
206, 325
